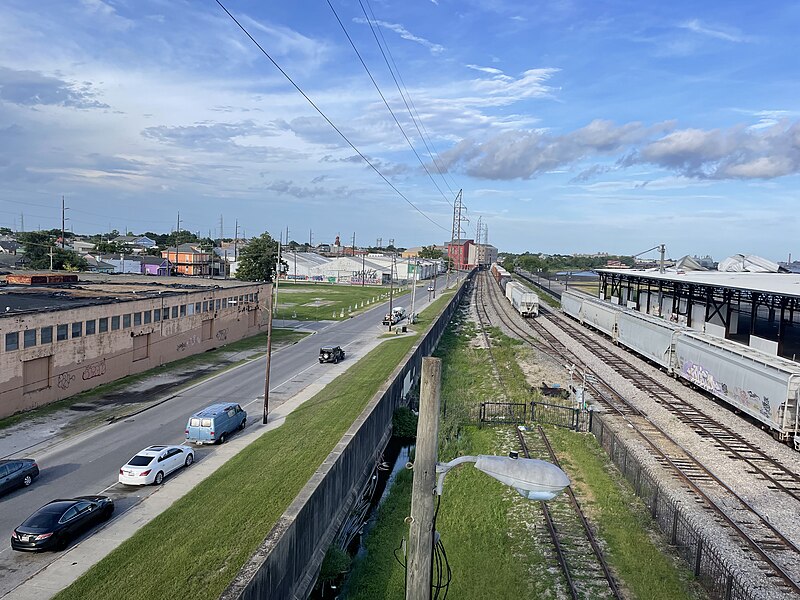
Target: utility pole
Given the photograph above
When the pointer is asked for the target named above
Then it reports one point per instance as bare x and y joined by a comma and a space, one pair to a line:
310, 242
22, 228
422, 528
663, 249
269, 351
63, 219
391, 291
455, 233
413, 289
51, 258
178, 228
278, 266
354, 244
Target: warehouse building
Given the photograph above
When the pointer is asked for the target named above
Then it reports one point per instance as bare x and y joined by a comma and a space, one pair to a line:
59, 339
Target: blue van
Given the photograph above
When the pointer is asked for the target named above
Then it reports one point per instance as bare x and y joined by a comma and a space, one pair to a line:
215, 423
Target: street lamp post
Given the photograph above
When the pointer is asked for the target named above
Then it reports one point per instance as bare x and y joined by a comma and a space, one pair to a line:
533, 479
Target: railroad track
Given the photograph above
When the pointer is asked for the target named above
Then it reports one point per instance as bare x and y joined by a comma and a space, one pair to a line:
777, 557
579, 555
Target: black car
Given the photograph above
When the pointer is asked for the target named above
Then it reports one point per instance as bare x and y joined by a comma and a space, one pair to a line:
331, 354
17, 472
57, 523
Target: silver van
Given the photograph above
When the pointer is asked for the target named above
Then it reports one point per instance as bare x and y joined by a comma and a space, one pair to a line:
215, 423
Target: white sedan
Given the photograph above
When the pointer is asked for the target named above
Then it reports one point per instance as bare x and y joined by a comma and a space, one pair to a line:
154, 463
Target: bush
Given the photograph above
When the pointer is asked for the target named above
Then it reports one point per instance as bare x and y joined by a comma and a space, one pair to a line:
404, 423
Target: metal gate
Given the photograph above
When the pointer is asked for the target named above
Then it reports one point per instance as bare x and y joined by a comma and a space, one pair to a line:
570, 417
504, 412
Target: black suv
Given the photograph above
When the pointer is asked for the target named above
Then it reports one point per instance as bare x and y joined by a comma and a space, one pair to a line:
331, 354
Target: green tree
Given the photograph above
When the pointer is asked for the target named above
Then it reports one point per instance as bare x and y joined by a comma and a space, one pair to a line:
107, 247
257, 259
430, 252
39, 244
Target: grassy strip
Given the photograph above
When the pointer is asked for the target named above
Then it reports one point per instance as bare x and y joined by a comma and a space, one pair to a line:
205, 537
295, 300
622, 521
482, 523
256, 343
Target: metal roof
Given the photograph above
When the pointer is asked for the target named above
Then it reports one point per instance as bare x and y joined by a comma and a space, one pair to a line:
782, 284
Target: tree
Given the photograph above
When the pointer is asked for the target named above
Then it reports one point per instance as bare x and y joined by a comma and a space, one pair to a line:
39, 244
257, 259
430, 252
110, 247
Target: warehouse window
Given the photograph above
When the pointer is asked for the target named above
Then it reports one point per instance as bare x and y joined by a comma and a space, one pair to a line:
126, 321
147, 315
46, 335
190, 309
197, 306
91, 327
175, 312
103, 325
137, 319
114, 323
183, 310
29, 338
205, 306
12, 341
77, 329
157, 315
62, 332
218, 303
165, 314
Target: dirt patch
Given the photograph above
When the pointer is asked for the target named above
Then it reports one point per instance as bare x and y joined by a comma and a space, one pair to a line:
319, 302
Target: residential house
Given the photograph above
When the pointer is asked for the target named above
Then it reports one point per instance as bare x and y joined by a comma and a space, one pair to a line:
135, 241
82, 247
9, 246
122, 263
154, 265
98, 266
189, 259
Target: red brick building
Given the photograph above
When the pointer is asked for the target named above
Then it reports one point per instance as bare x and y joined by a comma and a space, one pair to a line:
459, 252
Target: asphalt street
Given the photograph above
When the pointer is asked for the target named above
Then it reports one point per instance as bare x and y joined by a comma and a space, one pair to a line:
89, 463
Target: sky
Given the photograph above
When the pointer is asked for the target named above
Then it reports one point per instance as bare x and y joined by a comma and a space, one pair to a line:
568, 126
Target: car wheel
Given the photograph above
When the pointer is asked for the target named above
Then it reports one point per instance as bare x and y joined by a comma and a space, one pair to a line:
189, 460
336, 361
159, 478
27, 480
222, 439
107, 512
243, 425
62, 543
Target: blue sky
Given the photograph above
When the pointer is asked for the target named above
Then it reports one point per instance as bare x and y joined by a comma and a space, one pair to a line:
570, 126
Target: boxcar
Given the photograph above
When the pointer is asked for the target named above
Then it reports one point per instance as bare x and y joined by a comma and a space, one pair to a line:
649, 336
571, 304
601, 315
765, 387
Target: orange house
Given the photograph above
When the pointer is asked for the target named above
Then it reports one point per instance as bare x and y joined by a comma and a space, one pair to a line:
188, 259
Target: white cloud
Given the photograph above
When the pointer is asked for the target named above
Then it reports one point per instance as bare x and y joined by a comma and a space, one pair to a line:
695, 26
403, 33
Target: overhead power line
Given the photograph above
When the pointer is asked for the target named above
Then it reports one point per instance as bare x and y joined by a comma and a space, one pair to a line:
324, 116
380, 93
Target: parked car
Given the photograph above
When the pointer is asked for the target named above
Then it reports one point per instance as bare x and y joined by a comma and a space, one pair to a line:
17, 472
215, 423
152, 464
57, 523
331, 354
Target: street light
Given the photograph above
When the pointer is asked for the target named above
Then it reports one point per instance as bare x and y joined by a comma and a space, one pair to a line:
533, 479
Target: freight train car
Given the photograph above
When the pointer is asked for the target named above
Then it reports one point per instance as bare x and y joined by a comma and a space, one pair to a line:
763, 386
651, 337
524, 301
501, 276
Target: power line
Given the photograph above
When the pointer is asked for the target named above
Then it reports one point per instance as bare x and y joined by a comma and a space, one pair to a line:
324, 116
418, 118
380, 93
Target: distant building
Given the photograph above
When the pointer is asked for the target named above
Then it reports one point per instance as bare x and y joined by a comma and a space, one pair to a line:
459, 252
9, 246
482, 254
98, 266
189, 259
142, 241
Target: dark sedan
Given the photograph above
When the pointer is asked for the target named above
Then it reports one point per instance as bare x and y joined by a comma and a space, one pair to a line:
57, 523
17, 472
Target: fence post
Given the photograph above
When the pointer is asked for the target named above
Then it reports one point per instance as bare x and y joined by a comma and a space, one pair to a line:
729, 587
675, 526
654, 510
698, 557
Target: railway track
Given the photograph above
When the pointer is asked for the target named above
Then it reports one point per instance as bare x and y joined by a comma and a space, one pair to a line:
777, 557
578, 553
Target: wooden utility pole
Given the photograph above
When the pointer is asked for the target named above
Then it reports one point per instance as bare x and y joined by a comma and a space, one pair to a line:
63, 218
269, 360
421, 531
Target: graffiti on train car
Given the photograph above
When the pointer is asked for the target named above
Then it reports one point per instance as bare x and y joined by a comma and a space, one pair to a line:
701, 377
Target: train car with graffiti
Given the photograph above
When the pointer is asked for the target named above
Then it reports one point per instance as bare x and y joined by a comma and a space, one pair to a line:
765, 387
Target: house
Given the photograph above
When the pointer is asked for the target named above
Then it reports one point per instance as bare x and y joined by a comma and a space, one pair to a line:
9, 246
82, 247
136, 241
188, 259
459, 252
122, 263
98, 266
154, 265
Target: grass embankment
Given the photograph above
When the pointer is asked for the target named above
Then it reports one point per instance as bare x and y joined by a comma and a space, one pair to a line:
214, 358
486, 527
320, 301
203, 540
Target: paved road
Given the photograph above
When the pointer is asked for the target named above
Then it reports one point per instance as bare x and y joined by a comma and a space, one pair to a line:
89, 462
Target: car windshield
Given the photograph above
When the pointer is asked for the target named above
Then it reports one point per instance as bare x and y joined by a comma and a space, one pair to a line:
140, 460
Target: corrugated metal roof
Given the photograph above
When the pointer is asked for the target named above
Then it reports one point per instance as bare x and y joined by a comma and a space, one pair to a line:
784, 284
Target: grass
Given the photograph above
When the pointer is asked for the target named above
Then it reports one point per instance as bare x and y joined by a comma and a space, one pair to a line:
256, 343
320, 301
622, 521
489, 532
206, 536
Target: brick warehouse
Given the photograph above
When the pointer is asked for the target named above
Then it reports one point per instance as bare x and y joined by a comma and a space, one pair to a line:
57, 340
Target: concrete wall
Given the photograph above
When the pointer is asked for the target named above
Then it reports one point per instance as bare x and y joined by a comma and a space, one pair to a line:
50, 371
288, 561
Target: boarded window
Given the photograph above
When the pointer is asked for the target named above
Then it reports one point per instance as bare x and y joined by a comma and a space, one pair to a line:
35, 374
251, 318
207, 329
141, 346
